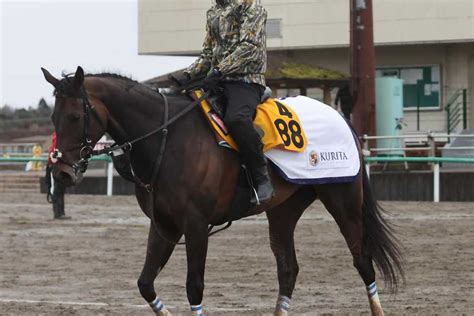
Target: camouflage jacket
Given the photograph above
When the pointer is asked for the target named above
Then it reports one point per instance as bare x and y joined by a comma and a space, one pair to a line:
235, 42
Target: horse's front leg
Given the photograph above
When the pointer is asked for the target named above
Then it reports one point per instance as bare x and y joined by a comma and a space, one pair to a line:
158, 252
196, 250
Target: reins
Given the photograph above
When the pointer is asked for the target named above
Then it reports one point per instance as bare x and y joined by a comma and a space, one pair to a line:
159, 158
128, 145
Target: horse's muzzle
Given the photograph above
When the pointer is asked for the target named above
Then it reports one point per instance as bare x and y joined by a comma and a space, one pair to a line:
66, 175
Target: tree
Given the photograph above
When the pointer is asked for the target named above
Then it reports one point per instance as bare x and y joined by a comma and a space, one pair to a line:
43, 108
42, 104
6, 112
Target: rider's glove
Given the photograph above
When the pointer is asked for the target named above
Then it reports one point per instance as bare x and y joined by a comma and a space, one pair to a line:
213, 79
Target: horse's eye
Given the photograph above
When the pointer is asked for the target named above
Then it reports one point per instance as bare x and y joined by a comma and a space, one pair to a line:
73, 116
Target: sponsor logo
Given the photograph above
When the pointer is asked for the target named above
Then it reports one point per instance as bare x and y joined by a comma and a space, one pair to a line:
313, 158
333, 156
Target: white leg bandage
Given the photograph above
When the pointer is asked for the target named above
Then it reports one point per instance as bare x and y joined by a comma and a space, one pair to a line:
283, 304
157, 306
374, 300
196, 309
372, 291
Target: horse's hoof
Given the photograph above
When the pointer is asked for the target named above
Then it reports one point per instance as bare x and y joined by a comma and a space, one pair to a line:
164, 312
280, 313
376, 311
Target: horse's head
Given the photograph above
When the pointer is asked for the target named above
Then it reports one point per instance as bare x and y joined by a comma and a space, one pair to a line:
78, 124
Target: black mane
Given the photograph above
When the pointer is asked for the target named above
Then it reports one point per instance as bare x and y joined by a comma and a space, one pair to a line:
65, 86
112, 75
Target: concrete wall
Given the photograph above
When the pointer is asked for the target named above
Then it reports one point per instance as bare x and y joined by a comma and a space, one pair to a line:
418, 186
177, 27
455, 61
166, 26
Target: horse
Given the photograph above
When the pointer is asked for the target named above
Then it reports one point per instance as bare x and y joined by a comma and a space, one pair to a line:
194, 185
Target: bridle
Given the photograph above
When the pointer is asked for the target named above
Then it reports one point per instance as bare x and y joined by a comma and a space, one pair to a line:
86, 148
85, 154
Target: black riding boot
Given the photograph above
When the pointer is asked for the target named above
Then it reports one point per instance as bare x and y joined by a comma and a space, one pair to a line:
251, 149
56, 211
263, 185
58, 204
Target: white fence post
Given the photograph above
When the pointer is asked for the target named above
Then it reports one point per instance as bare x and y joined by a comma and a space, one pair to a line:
436, 182
110, 178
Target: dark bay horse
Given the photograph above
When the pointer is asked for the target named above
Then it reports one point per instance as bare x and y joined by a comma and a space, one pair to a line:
195, 185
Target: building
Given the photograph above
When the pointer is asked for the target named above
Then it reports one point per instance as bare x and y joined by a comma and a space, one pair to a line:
428, 43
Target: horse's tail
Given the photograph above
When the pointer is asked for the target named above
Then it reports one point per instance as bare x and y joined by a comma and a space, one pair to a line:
379, 238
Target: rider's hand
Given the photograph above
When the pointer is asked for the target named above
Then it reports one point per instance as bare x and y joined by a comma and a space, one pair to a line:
213, 78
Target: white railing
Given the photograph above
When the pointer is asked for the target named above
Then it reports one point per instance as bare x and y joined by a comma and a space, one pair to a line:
105, 158
429, 138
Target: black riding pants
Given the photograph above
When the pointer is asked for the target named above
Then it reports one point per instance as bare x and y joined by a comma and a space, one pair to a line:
242, 101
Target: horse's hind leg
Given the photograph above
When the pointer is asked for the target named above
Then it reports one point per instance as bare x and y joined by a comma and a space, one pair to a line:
158, 252
282, 222
344, 202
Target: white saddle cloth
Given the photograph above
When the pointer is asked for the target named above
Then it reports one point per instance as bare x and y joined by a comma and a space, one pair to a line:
331, 155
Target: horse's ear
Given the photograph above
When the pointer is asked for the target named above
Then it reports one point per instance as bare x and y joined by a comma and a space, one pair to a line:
79, 76
49, 77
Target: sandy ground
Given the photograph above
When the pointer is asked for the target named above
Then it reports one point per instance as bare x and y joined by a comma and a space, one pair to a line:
89, 265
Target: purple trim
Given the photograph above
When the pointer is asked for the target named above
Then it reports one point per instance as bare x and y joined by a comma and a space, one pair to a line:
331, 180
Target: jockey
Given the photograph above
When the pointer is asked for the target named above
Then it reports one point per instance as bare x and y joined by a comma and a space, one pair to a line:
234, 57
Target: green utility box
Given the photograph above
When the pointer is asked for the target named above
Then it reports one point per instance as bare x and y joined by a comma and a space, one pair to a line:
389, 114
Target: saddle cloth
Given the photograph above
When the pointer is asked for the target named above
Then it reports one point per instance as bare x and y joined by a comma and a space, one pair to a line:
307, 141
278, 125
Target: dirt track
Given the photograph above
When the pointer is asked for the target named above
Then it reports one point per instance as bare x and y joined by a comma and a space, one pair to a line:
89, 265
